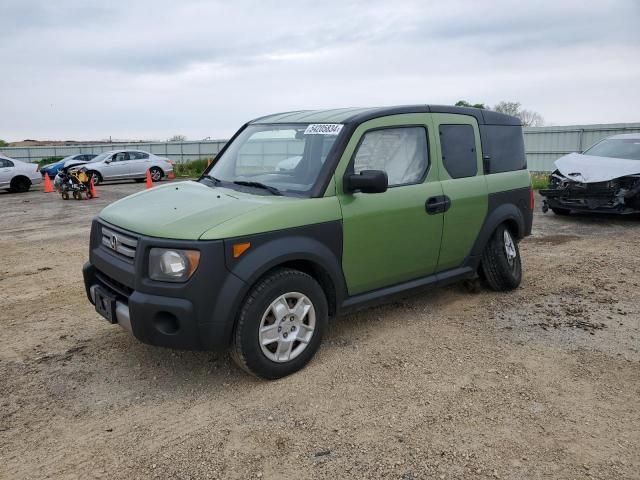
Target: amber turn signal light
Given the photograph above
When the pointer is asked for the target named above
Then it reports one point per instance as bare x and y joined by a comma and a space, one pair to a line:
240, 248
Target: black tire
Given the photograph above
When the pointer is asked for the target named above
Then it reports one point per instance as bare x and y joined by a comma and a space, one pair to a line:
96, 177
561, 211
501, 272
156, 174
20, 185
246, 349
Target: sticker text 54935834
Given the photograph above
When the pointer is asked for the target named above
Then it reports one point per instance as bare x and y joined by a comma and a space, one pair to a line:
323, 129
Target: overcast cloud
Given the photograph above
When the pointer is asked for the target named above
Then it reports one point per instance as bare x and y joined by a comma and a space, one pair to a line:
151, 69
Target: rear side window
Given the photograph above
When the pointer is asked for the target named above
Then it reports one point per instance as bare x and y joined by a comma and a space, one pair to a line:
458, 144
503, 148
401, 152
5, 163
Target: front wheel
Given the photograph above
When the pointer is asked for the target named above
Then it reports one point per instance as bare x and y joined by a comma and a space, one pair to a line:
280, 325
501, 263
96, 177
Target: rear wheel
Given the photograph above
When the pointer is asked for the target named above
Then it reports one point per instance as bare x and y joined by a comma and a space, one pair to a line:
280, 325
561, 211
95, 176
501, 263
20, 185
156, 174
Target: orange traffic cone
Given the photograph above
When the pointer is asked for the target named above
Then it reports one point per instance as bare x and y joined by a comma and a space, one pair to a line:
171, 175
149, 181
92, 189
48, 187
209, 163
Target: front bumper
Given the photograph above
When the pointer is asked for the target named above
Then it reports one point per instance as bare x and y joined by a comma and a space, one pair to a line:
592, 202
196, 315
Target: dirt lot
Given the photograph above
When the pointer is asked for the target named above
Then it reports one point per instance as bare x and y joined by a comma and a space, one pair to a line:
543, 382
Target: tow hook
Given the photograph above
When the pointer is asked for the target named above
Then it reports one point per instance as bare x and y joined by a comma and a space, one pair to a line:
545, 207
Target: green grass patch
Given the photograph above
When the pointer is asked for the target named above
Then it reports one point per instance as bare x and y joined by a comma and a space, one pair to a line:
193, 168
48, 160
539, 180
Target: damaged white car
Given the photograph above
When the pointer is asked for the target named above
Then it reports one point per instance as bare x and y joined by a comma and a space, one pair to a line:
604, 179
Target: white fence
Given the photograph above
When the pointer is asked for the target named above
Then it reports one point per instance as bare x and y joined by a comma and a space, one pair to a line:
543, 145
176, 151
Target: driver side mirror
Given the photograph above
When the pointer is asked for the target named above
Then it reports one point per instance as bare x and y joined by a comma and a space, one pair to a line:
367, 181
108, 160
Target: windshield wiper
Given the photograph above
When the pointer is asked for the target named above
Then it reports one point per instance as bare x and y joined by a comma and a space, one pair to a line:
212, 179
269, 188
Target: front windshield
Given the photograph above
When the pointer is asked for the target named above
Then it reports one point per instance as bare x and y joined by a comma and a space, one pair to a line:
100, 157
627, 148
285, 158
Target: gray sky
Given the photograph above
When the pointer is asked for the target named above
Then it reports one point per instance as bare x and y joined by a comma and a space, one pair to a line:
75, 69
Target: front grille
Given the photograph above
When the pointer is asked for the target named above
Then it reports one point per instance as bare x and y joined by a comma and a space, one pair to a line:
113, 285
119, 244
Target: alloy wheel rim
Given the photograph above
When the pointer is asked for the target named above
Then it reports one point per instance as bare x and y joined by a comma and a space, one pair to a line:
287, 327
509, 248
155, 175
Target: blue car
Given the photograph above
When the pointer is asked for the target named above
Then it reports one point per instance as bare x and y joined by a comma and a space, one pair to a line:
53, 168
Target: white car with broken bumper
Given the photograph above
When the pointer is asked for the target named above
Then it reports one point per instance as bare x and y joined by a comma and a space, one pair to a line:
603, 179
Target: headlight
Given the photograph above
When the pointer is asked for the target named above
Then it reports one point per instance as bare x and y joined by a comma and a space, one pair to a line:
172, 265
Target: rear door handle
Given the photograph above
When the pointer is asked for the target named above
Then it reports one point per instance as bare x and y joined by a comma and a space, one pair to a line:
438, 204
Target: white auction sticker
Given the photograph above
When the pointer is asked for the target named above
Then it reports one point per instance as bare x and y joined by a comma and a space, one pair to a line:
323, 129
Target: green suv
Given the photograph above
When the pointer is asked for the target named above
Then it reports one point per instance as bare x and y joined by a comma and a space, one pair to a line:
307, 214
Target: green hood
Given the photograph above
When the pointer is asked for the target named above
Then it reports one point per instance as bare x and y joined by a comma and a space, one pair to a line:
193, 211
182, 210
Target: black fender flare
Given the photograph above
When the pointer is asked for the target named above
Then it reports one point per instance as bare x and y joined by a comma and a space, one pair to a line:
264, 257
506, 212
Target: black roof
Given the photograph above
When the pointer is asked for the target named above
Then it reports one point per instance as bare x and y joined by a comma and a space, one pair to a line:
359, 115
484, 117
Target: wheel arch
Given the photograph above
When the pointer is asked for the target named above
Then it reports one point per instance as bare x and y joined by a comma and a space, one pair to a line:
21, 176
305, 254
508, 214
91, 172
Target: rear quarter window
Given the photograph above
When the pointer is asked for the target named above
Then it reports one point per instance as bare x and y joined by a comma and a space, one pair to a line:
503, 148
458, 145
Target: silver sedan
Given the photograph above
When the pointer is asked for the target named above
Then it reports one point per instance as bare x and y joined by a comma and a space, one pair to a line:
125, 165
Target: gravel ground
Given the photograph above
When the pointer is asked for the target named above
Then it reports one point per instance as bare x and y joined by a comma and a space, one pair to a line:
543, 382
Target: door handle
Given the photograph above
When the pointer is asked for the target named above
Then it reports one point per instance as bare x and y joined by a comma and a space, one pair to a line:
437, 204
